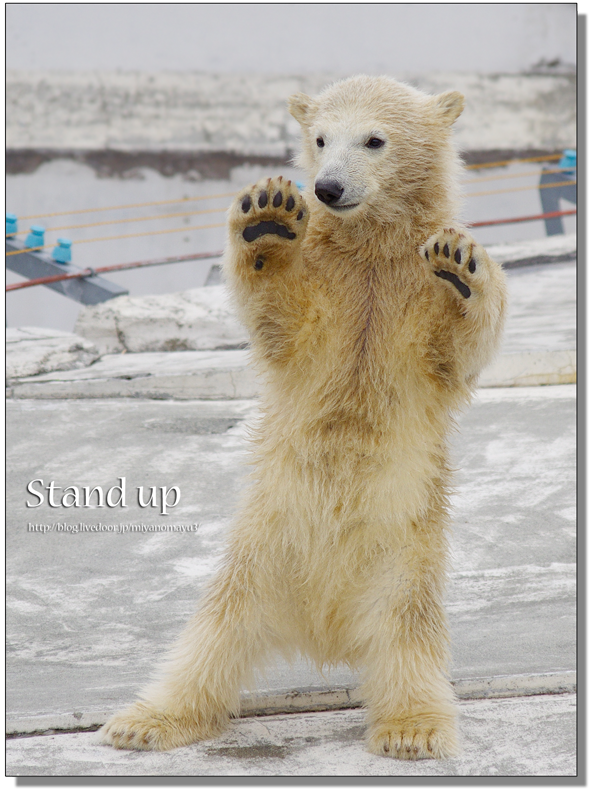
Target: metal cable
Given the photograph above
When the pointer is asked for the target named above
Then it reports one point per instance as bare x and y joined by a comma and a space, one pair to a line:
127, 207
92, 272
516, 176
515, 160
124, 221
522, 188
117, 237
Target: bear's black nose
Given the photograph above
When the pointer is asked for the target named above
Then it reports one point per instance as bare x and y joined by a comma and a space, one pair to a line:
328, 191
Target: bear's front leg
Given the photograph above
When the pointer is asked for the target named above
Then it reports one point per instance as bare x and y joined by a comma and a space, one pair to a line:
471, 280
263, 267
267, 222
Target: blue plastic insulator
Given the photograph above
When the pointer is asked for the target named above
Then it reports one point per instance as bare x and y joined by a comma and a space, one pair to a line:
35, 237
568, 160
300, 186
62, 253
11, 223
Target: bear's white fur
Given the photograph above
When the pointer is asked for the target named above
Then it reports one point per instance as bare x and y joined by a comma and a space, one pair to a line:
371, 312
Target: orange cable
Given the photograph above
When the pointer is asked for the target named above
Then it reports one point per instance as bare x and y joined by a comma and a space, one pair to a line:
126, 207
117, 237
124, 221
514, 160
523, 188
516, 176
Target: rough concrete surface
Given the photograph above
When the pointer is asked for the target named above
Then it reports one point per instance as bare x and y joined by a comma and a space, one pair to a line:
552, 248
88, 612
532, 736
31, 351
531, 368
197, 320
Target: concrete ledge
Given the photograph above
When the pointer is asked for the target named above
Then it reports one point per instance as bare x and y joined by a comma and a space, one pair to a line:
519, 369
552, 249
189, 345
541, 309
156, 375
270, 702
555, 683
228, 375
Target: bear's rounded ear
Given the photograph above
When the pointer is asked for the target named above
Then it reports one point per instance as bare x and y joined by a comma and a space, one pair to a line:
302, 107
451, 104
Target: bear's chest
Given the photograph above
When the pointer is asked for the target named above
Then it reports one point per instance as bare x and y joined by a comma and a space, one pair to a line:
371, 327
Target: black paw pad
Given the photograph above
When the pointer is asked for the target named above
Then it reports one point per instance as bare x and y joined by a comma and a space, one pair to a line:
457, 256
267, 228
460, 286
277, 199
262, 199
472, 265
446, 250
436, 248
259, 264
300, 215
246, 203
289, 205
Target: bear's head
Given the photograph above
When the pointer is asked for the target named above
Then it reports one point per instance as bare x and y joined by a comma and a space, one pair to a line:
374, 146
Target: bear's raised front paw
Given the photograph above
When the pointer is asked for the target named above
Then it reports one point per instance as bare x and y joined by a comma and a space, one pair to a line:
270, 212
414, 738
455, 259
141, 727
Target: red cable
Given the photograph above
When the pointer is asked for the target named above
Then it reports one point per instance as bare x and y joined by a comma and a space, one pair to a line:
91, 272
550, 215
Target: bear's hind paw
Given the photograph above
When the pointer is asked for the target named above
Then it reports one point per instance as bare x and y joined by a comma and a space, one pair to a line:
412, 739
140, 727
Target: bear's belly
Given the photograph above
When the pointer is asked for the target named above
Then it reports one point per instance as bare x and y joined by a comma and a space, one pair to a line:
342, 474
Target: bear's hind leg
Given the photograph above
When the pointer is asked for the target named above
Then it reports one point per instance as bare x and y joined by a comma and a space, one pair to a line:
410, 702
198, 688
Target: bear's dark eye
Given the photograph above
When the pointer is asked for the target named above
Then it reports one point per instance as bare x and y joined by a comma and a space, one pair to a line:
320, 142
375, 143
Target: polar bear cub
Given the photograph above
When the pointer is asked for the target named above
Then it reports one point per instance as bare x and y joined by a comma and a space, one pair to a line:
371, 312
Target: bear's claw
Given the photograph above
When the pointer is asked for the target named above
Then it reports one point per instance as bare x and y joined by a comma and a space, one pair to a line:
270, 207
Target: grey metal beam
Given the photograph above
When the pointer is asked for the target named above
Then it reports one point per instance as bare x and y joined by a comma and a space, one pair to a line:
550, 198
85, 290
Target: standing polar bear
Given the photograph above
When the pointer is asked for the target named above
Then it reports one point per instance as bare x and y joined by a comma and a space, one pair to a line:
371, 313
